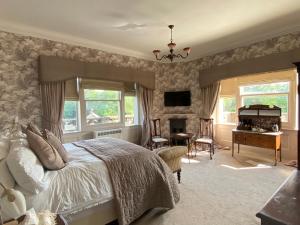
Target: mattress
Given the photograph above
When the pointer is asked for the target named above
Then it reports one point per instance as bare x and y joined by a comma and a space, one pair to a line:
82, 184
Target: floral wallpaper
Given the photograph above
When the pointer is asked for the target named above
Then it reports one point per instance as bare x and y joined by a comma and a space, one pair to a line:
19, 87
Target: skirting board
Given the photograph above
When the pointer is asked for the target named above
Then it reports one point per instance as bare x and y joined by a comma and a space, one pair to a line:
98, 215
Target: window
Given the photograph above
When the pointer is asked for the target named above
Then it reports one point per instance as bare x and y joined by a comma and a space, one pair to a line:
102, 106
268, 94
131, 110
227, 107
70, 117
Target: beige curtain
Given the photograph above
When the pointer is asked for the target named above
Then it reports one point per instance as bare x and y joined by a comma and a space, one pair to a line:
209, 96
53, 95
146, 96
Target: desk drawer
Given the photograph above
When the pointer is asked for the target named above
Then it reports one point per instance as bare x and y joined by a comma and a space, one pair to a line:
239, 138
262, 141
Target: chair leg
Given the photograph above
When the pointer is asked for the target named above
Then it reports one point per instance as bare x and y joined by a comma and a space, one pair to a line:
179, 175
210, 151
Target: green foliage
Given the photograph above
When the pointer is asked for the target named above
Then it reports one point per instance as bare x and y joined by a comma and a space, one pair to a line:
129, 105
70, 109
229, 104
104, 103
278, 100
103, 108
282, 87
90, 94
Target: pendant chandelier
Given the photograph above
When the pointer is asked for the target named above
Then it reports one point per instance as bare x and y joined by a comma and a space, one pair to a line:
171, 46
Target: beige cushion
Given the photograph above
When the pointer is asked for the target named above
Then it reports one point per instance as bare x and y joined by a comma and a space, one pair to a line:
47, 154
204, 140
172, 156
171, 152
33, 128
55, 142
159, 139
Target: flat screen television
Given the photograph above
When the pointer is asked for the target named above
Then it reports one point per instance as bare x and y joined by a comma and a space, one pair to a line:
178, 98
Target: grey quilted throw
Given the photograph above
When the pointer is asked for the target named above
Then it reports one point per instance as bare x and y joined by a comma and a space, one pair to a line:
140, 179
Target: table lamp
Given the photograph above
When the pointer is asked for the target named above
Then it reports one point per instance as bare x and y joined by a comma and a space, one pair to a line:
12, 203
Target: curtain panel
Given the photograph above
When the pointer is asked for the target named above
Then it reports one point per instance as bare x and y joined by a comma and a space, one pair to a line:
146, 96
209, 96
53, 95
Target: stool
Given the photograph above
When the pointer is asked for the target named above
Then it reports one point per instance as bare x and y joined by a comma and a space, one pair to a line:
172, 157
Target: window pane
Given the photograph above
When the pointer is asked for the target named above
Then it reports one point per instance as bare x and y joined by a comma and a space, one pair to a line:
130, 110
90, 94
280, 87
99, 112
278, 100
70, 119
227, 110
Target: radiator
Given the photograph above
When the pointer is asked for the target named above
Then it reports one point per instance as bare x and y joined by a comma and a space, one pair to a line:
115, 133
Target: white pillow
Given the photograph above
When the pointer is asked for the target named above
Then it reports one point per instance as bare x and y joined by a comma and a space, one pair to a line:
4, 147
26, 169
5, 177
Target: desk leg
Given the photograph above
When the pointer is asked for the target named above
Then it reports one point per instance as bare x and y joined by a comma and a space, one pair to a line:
232, 147
275, 162
238, 148
280, 158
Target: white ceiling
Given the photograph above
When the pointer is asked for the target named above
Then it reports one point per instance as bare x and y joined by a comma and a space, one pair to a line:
136, 27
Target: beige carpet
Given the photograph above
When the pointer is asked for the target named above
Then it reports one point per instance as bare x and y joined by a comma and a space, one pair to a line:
222, 191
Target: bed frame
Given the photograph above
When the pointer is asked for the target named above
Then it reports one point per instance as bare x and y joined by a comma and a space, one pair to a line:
97, 215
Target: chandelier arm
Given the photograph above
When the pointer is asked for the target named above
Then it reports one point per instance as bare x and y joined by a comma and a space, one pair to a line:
181, 56
163, 57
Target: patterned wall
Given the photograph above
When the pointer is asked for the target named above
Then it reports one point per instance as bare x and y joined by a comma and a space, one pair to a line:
182, 76
19, 89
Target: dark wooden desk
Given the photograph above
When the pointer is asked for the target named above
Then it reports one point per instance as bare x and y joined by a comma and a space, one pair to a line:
284, 206
187, 137
271, 140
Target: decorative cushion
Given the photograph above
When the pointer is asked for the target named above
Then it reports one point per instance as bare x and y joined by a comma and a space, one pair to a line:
47, 154
4, 147
5, 177
55, 142
33, 128
26, 169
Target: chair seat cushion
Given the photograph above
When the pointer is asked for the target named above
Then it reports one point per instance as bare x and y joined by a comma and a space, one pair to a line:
169, 153
159, 140
204, 140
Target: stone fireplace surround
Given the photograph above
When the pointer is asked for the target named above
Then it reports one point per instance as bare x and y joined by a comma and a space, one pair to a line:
191, 122
177, 125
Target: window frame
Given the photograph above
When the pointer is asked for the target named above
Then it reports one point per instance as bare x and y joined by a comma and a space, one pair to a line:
290, 125
87, 127
78, 118
219, 109
136, 110
284, 123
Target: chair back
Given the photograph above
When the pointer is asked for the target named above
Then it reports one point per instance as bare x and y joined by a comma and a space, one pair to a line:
155, 128
206, 128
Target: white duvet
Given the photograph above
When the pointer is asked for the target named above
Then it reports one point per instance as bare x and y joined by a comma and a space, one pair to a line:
83, 183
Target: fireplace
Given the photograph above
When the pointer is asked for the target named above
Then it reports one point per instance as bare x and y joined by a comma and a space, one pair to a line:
177, 125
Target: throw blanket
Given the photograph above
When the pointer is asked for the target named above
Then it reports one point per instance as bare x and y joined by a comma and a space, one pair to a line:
141, 180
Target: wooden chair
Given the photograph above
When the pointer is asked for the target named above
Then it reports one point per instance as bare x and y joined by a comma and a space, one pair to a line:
206, 135
156, 138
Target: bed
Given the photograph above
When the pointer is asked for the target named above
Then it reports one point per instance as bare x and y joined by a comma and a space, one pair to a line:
83, 192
